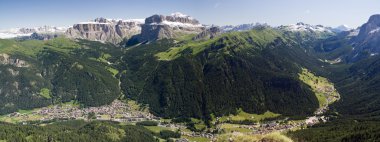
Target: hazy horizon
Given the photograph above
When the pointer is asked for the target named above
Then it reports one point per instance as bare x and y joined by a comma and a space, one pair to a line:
24, 13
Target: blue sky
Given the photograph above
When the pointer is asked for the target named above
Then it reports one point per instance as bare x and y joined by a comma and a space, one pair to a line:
30, 13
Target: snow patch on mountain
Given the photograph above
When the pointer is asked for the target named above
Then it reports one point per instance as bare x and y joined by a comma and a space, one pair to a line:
92, 22
178, 24
140, 21
113, 21
181, 15
175, 20
374, 54
12, 35
242, 27
305, 27
342, 28
374, 30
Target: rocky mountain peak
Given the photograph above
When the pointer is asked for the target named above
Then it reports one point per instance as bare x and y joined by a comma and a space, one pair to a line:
155, 19
300, 26
101, 20
342, 28
375, 19
243, 27
171, 26
106, 30
26, 30
209, 33
179, 17
175, 17
370, 28
367, 42
179, 14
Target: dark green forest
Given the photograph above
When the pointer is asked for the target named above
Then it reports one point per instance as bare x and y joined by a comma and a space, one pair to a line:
358, 84
65, 69
255, 71
236, 70
345, 130
75, 131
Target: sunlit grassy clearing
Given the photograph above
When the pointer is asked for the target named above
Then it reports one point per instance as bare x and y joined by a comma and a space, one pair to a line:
321, 86
157, 129
45, 92
247, 116
234, 128
196, 139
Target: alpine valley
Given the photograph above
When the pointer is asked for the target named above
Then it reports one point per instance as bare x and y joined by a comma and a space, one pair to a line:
172, 78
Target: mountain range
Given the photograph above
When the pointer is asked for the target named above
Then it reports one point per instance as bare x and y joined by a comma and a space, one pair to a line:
25, 32
201, 75
151, 28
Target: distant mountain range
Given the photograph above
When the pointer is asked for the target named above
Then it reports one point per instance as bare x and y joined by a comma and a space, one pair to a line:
22, 32
242, 27
151, 28
362, 42
342, 28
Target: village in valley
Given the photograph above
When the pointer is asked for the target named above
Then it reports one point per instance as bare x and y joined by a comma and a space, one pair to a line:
116, 111
130, 112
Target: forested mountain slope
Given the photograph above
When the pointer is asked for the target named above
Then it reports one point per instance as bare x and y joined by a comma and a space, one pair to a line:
39, 73
354, 68
255, 70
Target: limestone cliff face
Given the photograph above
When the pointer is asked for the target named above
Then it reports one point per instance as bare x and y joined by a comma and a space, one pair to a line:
152, 28
175, 17
106, 30
177, 24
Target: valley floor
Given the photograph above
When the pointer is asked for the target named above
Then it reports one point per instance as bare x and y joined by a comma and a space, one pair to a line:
226, 128
116, 111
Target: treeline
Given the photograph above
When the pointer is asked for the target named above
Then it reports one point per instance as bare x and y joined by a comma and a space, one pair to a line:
75, 131
339, 130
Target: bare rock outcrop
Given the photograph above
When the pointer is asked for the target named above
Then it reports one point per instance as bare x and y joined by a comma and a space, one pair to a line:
106, 30
5, 59
152, 28
172, 26
366, 43
209, 33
